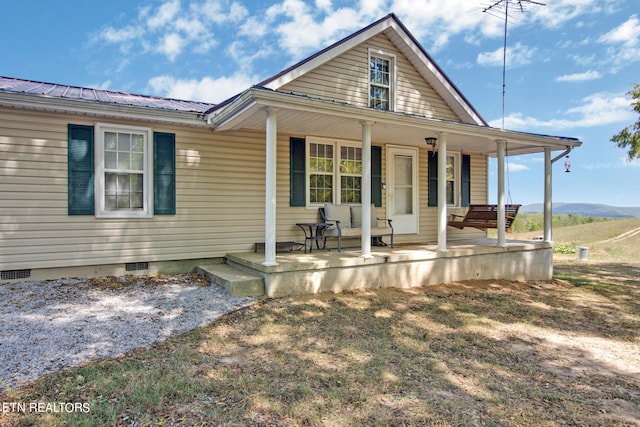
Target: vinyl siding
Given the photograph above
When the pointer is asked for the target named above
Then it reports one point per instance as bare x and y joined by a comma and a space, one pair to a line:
220, 199
345, 79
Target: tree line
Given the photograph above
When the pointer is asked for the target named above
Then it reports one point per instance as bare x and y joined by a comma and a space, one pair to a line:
535, 222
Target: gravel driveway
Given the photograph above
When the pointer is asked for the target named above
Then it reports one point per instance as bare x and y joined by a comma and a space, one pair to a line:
53, 325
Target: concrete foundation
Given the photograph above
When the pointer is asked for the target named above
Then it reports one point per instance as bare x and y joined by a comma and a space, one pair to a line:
408, 267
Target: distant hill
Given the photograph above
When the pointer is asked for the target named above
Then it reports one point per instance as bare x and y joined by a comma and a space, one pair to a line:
586, 209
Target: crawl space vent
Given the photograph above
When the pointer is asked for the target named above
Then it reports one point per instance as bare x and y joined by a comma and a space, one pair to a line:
15, 274
136, 266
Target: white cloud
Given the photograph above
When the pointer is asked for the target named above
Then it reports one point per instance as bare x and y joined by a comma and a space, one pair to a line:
169, 29
171, 45
206, 89
557, 13
165, 14
579, 77
628, 33
302, 29
214, 11
126, 34
517, 55
624, 44
516, 167
596, 110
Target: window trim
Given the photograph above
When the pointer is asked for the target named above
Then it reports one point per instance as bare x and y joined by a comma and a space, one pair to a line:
337, 145
147, 210
377, 53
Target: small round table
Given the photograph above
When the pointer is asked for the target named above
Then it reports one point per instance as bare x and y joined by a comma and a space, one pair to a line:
308, 228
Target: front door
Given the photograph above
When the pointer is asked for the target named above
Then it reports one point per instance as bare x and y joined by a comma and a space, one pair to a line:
402, 189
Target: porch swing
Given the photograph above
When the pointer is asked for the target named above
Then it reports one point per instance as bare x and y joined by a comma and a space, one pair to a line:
484, 217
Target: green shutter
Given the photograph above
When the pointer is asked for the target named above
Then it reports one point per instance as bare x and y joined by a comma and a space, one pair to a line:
164, 173
376, 175
297, 172
433, 179
466, 180
80, 170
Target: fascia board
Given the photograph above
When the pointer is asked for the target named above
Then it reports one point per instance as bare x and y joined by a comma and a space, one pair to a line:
88, 108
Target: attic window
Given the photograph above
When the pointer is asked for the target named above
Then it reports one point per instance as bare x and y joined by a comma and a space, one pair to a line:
381, 80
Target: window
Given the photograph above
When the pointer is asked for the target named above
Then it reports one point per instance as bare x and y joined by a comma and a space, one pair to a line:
320, 173
123, 178
458, 177
381, 80
300, 174
452, 180
323, 174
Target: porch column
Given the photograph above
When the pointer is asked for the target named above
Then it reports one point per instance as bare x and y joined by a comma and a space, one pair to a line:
501, 208
548, 206
270, 188
442, 192
366, 190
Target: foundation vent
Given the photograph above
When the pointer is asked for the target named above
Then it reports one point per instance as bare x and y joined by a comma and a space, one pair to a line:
136, 266
15, 274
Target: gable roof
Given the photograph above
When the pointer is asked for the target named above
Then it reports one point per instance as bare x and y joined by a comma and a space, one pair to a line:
390, 26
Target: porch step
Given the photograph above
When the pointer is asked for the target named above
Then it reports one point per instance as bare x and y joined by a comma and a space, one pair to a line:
239, 283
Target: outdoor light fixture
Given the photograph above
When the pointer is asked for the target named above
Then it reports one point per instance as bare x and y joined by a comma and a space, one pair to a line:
433, 142
567, 165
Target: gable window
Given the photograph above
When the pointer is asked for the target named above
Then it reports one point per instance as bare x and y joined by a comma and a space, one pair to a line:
381, 80
334, 172
123, 155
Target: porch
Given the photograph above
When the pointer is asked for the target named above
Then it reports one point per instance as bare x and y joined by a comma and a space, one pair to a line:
404, 266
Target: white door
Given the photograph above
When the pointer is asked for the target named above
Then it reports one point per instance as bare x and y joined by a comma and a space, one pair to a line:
402, 189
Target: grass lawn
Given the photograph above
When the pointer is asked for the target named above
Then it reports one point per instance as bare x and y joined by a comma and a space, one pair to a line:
486, 353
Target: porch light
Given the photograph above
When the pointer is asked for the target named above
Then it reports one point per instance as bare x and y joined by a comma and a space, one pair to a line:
567, 165
433, 142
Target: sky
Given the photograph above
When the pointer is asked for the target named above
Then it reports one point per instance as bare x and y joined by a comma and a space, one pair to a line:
569, 63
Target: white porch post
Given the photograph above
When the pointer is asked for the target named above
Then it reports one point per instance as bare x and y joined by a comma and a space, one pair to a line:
548, 206
442, 192
501, 204
270, 188
366, 190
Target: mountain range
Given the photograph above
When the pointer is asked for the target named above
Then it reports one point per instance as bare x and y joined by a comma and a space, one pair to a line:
585, 209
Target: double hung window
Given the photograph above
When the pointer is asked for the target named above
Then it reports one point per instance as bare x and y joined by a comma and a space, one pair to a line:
453, 180
123, 171
381, 80
334, 172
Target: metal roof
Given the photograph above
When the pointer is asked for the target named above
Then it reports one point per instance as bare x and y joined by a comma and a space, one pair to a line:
9, 84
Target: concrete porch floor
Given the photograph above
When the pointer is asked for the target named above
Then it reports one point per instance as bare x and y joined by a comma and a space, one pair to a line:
405, 266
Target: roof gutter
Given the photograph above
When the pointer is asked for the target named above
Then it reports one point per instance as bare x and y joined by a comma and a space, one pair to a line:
560, 156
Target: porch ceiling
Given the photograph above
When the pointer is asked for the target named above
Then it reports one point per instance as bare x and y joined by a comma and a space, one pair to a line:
301, 115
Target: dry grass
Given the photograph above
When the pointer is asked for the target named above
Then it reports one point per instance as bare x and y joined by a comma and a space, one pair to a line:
483, 353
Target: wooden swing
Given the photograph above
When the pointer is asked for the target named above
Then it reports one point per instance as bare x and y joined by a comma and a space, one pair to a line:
484, 217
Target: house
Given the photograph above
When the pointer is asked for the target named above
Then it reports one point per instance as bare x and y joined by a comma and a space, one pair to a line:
97, 182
